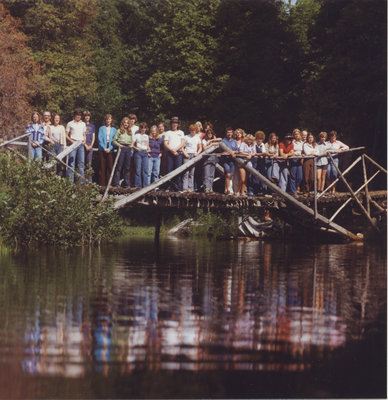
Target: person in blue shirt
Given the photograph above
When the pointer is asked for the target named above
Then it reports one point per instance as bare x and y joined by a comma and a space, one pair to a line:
36, 130
227, 160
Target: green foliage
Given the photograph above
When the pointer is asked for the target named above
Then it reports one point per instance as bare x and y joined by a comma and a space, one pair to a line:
38, 207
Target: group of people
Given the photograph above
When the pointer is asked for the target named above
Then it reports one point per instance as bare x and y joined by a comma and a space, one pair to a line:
154, 151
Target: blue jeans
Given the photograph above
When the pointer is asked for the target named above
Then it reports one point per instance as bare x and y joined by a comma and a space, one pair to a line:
123, 164
332, 173
188, 175
283, 174
296, 175
228, 164
58, 148
174, 162
153, 169
141, 168
209, 169
76, 155
36, 153
273, 170
254, 184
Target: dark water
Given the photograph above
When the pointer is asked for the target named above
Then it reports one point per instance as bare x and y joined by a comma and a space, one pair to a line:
194, 319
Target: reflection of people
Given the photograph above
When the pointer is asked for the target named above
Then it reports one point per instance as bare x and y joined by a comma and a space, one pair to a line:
37, 136
76, 130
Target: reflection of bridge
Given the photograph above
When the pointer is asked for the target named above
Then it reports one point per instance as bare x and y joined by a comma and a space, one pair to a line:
308, 209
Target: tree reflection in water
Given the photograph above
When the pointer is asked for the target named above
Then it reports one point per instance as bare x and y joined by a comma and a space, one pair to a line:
187, 305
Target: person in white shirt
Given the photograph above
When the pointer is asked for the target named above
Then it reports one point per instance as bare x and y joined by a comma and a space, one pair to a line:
174, 140
322, 162
58, 136
296, 171
76, 130
141, 156
190, 150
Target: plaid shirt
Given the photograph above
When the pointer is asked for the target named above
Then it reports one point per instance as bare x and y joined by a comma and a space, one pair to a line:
36, 136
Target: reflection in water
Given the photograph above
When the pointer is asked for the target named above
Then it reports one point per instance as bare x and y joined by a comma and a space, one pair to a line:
186, 306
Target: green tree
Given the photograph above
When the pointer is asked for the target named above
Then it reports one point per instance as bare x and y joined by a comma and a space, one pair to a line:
60, 37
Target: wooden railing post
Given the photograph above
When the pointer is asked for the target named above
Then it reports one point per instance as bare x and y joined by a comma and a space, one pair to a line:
373, 224
111, 175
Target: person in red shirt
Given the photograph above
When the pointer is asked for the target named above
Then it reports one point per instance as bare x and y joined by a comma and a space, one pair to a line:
286, 150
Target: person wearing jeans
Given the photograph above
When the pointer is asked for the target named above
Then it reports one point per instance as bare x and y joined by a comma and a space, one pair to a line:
191, 149
174, 140
209, 165
286, 150
75, 131
36, 131
156, 147
142, 150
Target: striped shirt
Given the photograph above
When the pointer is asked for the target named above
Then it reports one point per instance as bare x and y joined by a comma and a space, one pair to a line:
37, 132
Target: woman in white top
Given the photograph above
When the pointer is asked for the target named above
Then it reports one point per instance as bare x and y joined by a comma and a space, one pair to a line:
310, 148
58, 136
174, 140
322, 161
296, 170
190, 150
142, 151
248, 149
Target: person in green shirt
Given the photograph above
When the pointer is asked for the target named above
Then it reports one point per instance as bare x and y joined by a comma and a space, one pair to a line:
123, 140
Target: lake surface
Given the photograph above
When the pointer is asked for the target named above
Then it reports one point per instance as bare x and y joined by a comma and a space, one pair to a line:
194, 319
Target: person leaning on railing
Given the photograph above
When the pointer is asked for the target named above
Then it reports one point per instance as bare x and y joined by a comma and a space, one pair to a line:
227, 159
209, 165
310, 148
286, 150
334, 147
271, 163
322, 162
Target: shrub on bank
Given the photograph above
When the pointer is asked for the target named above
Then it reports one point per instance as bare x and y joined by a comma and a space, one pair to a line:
38, 207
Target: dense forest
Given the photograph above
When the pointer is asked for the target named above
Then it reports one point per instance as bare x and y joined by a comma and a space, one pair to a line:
257, 64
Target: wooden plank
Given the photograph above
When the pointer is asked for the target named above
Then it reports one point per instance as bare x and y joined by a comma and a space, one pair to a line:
342, 231
367, 196
343, 173
350, 198
375, 163
134, 196
14, 139
111, 175
63, 154
375, 227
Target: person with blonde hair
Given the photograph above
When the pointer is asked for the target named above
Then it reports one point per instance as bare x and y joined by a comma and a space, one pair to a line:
156, 146
123, 140
106, 134
322, 162
239, 136
36, 131
190, 150
141, 156
58, 136
247, 149
258, 163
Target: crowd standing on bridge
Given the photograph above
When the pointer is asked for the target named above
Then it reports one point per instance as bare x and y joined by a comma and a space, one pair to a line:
153, 152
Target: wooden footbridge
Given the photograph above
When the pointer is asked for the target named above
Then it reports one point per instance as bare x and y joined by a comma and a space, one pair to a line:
311, 211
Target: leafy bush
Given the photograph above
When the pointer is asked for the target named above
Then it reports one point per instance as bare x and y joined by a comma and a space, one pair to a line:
38, 207
216, 224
